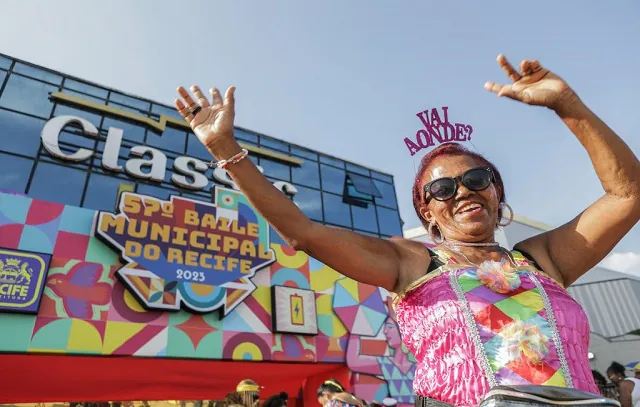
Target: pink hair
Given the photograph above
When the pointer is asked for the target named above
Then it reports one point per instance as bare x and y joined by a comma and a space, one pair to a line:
449, 150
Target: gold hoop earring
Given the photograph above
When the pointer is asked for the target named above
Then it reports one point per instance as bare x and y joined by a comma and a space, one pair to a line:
432, 234
503, 206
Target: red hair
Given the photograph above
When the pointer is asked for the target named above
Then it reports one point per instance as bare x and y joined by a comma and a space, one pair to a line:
449, 150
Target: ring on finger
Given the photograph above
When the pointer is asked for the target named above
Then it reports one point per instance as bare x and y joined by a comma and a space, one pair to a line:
195, 110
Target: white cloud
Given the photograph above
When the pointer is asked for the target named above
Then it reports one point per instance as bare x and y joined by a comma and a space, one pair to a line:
628, 262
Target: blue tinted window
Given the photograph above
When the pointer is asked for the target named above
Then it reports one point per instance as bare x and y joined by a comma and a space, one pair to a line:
28, 96
388, 195
156, 192
308, 200
77, 138
5, 63
307, 174
301, 152
275, 169
197, 197
86, 88
382, 177
37, 73
357, 169
68, 150
64, 110
102, 192
15, 173
170, 139
274, 144
163, 110
196, 149
85, 97
332, 179
331, 161
131, 131
363, 185
19, 133
139, 112
389, 221
57, 183
3, 74
335, 211
129, 101
245, 136
364, 218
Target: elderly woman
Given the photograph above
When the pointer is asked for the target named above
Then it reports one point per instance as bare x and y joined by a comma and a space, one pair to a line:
474, 314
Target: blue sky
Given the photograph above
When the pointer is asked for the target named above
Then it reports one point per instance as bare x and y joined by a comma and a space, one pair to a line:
347, 77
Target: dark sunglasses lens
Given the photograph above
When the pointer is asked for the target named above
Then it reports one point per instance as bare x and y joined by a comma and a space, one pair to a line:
477, 180
443, 189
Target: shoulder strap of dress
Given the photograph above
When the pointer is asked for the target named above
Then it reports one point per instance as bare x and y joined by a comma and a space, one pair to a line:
524, 259
439, 258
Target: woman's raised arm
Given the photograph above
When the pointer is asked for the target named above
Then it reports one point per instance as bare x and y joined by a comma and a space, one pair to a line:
571, 250
380, 262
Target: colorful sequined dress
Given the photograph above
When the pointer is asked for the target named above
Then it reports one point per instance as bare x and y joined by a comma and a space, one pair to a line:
471, 328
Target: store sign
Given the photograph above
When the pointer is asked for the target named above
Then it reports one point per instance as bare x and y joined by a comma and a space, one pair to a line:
22, 279
189, 172
186, 253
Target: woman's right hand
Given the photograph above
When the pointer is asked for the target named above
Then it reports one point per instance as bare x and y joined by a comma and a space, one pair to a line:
212, 123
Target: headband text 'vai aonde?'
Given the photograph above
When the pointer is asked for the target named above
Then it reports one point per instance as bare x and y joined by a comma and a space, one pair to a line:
436, 129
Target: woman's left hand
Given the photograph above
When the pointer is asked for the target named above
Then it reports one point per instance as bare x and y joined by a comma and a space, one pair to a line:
533, 85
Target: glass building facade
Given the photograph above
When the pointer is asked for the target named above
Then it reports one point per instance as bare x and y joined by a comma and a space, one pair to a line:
327, 189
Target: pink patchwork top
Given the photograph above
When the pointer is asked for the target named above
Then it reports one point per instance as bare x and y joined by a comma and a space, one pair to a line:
471, 328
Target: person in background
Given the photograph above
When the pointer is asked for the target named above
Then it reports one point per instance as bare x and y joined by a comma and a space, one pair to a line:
606, 389
344, 399
249, 391
279, 400
327, 389
628, 387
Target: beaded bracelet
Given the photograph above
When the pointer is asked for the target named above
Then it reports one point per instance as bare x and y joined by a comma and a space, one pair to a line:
233, 160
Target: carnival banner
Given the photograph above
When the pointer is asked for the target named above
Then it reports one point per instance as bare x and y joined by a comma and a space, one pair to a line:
22, 279
187, 253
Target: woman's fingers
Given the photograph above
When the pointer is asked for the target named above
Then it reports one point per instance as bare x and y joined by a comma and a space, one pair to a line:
229, 96
204, 102
215, 93
191, 105
183, 110
501, 90
508, 68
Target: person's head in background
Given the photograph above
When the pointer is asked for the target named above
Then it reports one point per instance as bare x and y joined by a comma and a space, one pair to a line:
327, 389
249, 391
599, 378
616, 372
279, 400
344, 399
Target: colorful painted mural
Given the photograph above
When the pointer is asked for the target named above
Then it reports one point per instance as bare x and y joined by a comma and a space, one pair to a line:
86, 310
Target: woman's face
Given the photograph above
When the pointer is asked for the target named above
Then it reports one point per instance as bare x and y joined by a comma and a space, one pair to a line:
323, 398
614, 377
454, 218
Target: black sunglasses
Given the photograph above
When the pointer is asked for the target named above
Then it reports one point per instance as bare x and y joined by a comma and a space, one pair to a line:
475, 179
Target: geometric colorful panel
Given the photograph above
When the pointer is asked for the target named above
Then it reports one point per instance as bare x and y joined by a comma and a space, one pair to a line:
16, 330
359, 306
294, 348
512, 323
79, 289
247, 346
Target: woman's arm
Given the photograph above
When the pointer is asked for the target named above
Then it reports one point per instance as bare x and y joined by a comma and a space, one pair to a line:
576, 247
626, 388
384, 263
571, 250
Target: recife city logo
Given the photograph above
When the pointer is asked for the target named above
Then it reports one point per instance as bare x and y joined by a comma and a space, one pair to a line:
189, 254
